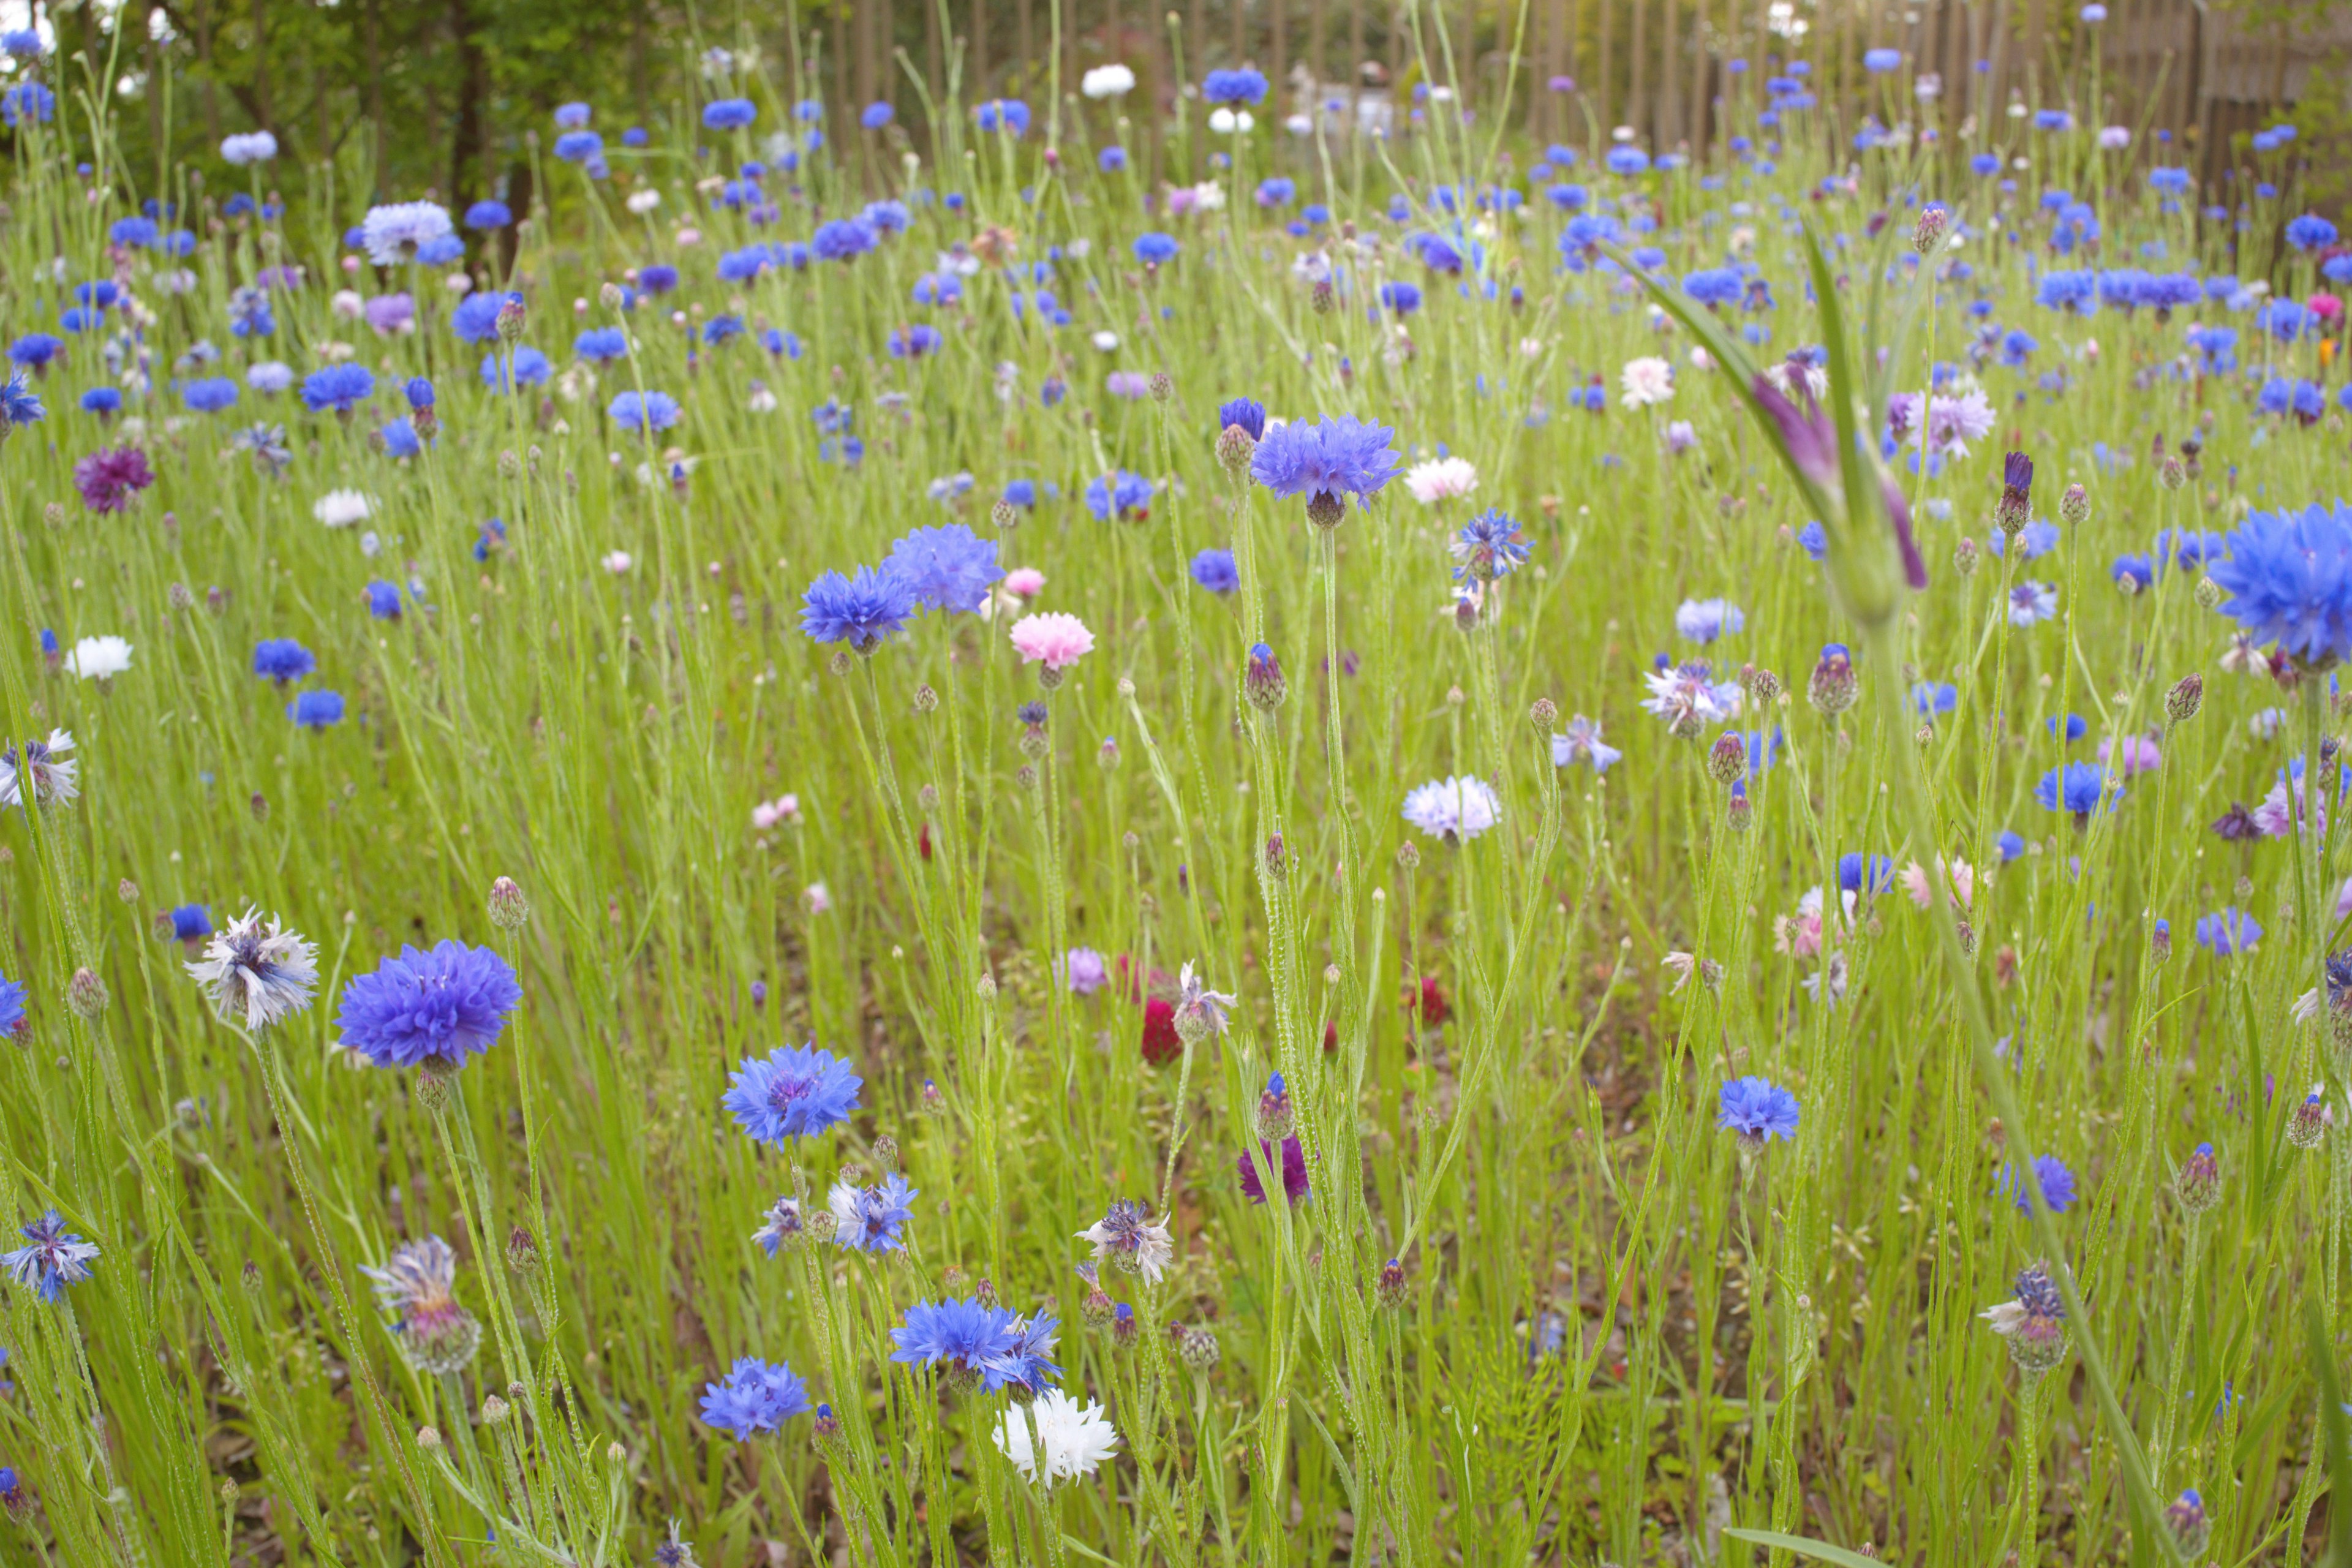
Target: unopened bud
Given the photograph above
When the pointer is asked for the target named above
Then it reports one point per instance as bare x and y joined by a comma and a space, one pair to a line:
1321, 298
1964, 557
495, 1411
1163, 386
1261, 681
2171, 473
2208, 593
259, 806
509, 909
1726, 760
522, 1251
926, 699
1235, 448
127, 891
1929, 232
2187, 696
511, 319
428, 1439
1324, 509
1543, 714
86, 994
2075, 506
1198, 1348
886, 1154
2197, 1184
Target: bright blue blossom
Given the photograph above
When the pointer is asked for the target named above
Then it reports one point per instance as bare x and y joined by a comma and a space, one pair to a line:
795, 1091
20, 405
337, 386
1243, 414
2289, 576
1007, 114
945, 568
1154, 249
601, 345
2051, 1177
282, 659
1324, 460
1758, 1109
754, 1398
488, 215
209, 395
2310, 232
1243, 85
860, 611
1117, 494
531, 369
438, 1004
2228, 931
729, 113
875, 115
643, 411
1488, 547
872, 1219
52, 1259
2078, 788
316, 710
1215, 571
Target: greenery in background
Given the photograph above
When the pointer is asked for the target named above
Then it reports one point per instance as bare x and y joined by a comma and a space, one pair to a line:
1613, 1331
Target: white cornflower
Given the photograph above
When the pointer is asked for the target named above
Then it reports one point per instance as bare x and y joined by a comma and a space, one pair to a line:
99, 659
1107, 81
1441, 478
1646, 380
340, 509
1127, 1237
644, 201
253, 147
257, 969
619, 562
45, 764
394, 234
1453, 808
1074, 1438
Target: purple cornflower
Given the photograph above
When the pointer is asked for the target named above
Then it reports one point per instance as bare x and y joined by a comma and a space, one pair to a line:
52, 1259
792, 1092
860, 611
1323, 461
438, 1005
2050, 1175
1293, 1164
111, 478
945, 568
1084, 971
1759, 1111
754, 1398
871, 1219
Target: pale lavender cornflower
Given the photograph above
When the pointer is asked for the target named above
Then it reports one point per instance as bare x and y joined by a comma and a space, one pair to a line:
1199, 1012
1704, 620
2030, 602
1127, 1238
1453, 809
1689, 698
257, 971
1084, 971
1581, 743
52, 1259
1954, 422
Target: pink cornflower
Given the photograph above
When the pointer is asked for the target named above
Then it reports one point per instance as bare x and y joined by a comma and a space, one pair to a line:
2139, 754
2327, 307
1025, 582
1958, 873
1055, 640
768, 813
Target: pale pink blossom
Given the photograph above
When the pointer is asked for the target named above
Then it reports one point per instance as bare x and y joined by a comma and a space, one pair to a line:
2139, 754
1646, 380
816, 898
1055, 640
768, 813
1958, 873
1025, 582
1441, 478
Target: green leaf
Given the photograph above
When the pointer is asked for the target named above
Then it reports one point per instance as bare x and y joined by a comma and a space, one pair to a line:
1804, 1546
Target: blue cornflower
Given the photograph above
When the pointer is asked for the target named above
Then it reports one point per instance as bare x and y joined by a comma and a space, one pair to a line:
1714, 286
1759, 1111
968, 1336
488, 215
578, 147
646, 411
384, 600
1399, 295
282, 659
601, 344
337, 386
2077, 727
1275, 192
2029, 602
209, 395
2228, 931
945, 568
138, 233
476, 319
1111, 159
1243, 86
19, 404
1850, 871
875, 115
729, 113
1626, 162
190, 922
1214, 570
571, 116
658, 279
1154, 249
1008, 114
419, 393
400, 439
34, 351
2078, 788
1488, 547
1934, 697
860, 611
842, 239
754, 1398
531, 369
1704, 620
1021, 494
316, 710
1243, 414
872, 1219
27, 99
1026, 1360
53, 1258
1878, 62
1324, 461
2290, 580
722, 329
2310, 232
438, 1005
1117, 494
2010, 844
12, 997
2137, 570
2055, 1182
795, 1091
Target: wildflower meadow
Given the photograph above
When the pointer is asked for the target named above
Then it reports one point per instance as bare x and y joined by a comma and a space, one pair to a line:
838, 841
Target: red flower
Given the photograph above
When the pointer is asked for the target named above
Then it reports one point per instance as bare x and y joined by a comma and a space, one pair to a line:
1429, 1006
1330, 1035
1161, 1045
923, 844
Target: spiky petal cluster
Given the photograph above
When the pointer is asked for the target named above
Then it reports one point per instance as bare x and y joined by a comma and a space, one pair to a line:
257, 972
47, 765
1074, 1438
860, 611
439, 1005
755, 1396
2289, 575
1290, 1160
945, 568
874, 1218
419, 1282
1127, 1238
1758, 1110
1326, 460
52, 1259
976, 1341
795, 1091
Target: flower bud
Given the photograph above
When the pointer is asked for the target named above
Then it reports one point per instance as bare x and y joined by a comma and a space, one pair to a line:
1235, 448
1324, 509
1964, 557
522, 1251
495, 1411
827, 1426
2191, 1531
1832, 687
1763, 687
1163, 386
1261, 681
886, 1154
86, 994
1408, 856
509, 909
1321, 298
1726, 760
1739, 812
2188, 695
2171, 473
1197, 1347
259, 806
1929, 232
511, 319
1543, 714
2309, 1124
1389, 1292
1277, 859
2208, 593
1275, 1115
2197, 1184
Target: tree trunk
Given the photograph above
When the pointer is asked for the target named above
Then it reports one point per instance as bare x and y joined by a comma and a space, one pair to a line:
1669, 131
1598, 93
371, 28
1637, 98
467, 140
